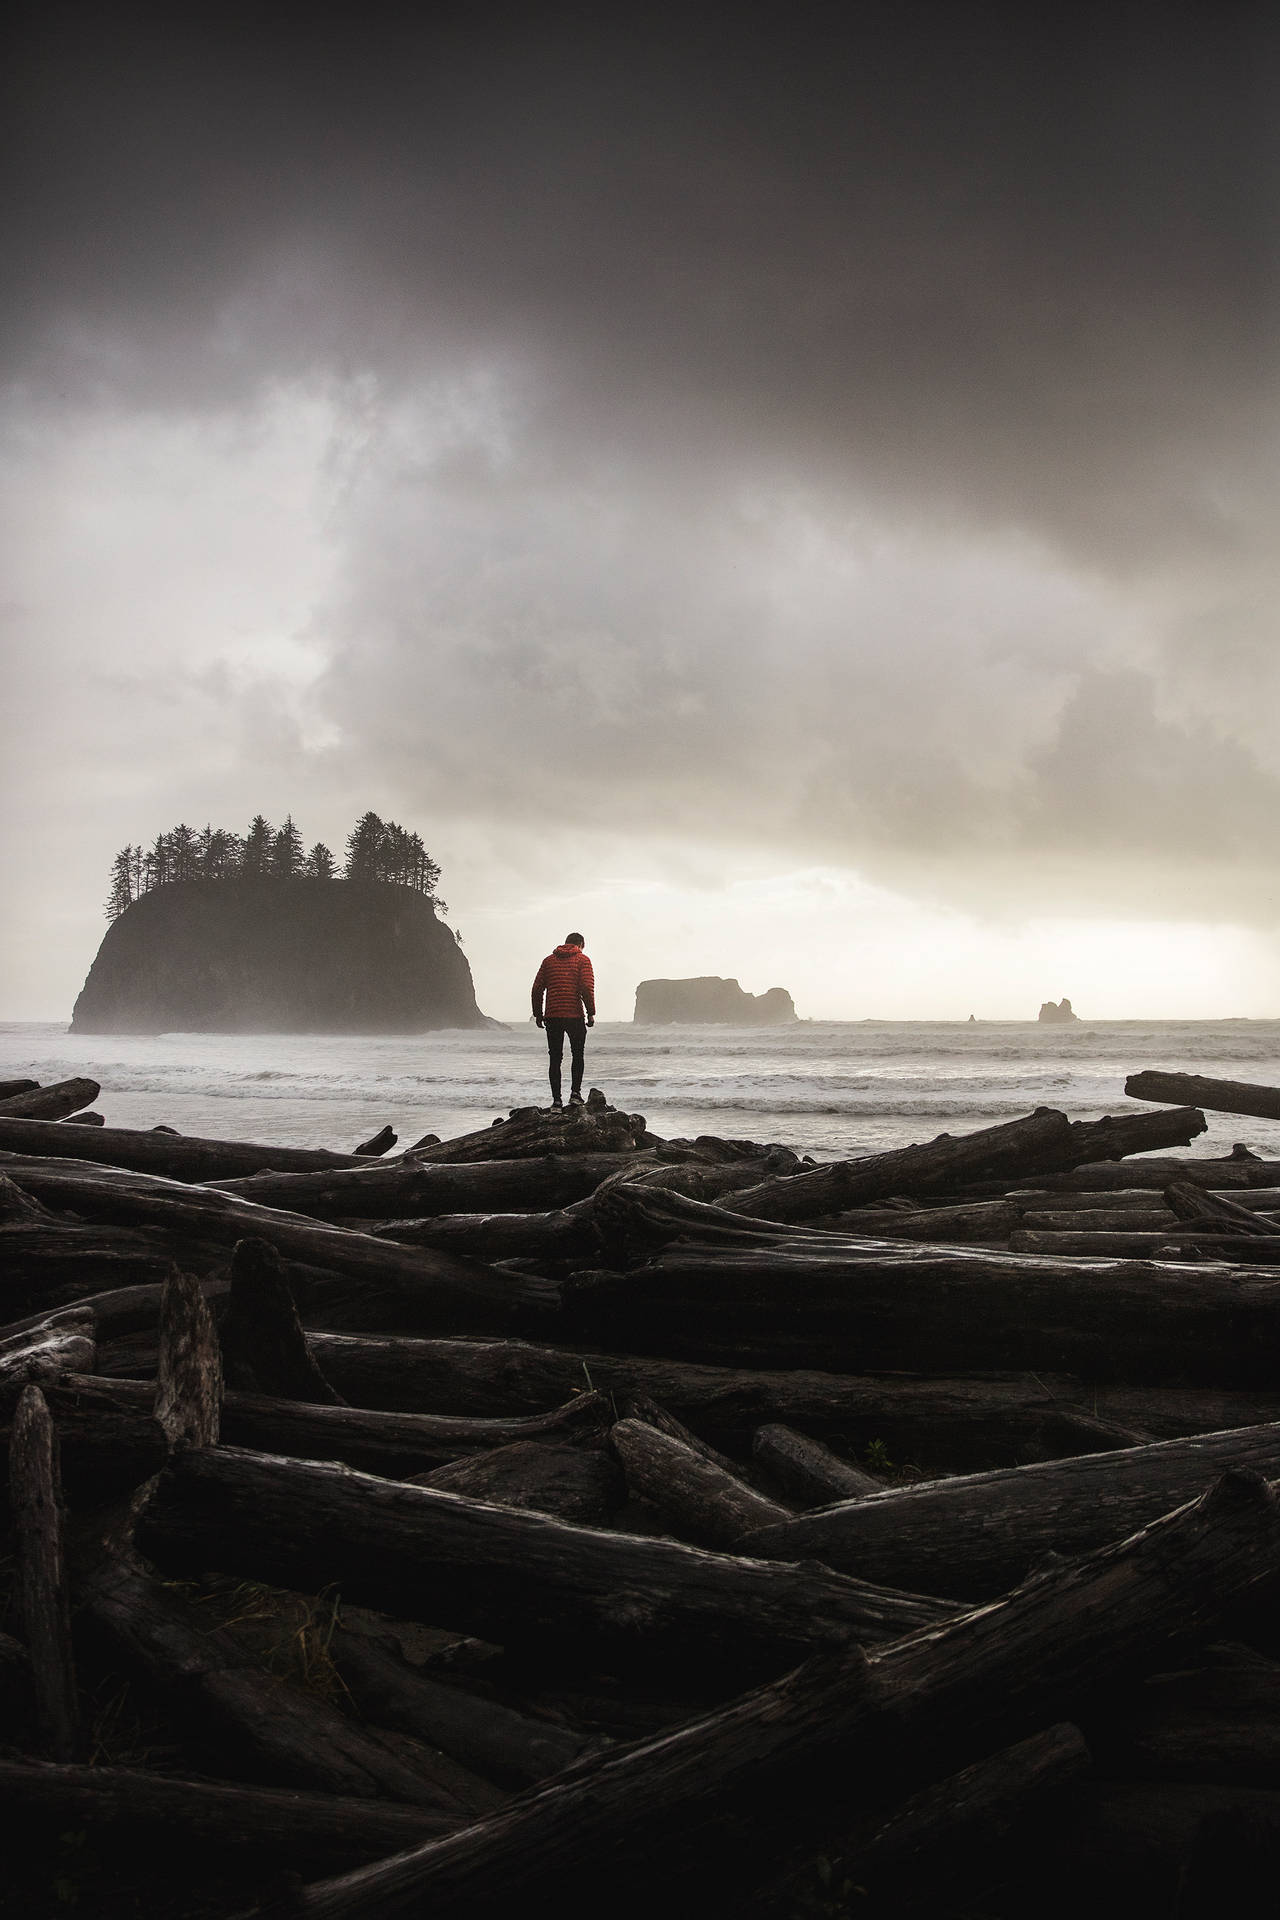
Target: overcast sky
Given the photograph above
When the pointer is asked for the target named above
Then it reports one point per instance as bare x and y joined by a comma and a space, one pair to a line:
791, 490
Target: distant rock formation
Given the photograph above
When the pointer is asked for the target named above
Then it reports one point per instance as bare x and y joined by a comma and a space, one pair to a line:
710, 1001
1060, 1012
278, 956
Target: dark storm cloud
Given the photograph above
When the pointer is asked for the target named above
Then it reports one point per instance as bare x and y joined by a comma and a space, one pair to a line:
817, 416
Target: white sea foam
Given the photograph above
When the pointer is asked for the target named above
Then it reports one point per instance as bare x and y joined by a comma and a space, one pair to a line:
825, 1088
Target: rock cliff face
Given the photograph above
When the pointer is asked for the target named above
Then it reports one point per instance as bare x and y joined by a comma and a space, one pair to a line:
1057, 1010
278, 956
710, 1001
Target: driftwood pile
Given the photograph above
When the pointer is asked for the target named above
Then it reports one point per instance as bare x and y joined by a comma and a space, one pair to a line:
561, 1513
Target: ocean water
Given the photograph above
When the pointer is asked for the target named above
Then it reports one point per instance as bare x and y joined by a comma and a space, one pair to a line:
827, 1088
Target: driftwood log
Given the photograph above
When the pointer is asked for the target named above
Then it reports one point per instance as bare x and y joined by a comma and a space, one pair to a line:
44, 1606
975, 1536
50, 1103
1193, 1089
701, 1502
170, 1155
440, 1286
502, 1573
921, 1418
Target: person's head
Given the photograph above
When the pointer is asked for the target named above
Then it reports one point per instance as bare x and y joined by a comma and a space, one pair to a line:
574, 940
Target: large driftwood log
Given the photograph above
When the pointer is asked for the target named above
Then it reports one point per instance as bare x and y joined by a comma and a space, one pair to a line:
210, 1815
439, 1286
693, 1820
8, 1088
1044, 1141
808, 1472
579, 1484
1221, 1175
99, 1418
1193, 1089
701, 1502
507, 1575
977, 1535
1191, 1203
410, 1189
947, 1421
50, 1103
189, 1372
209, 1690
983, 1221
44, 1607
172, 1156
491, 1739
1207, 1723
495, 1236
530, 1133
264, 1350
882, 1304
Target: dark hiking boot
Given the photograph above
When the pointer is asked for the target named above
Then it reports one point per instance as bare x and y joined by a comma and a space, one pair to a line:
557, 1105
576, 1100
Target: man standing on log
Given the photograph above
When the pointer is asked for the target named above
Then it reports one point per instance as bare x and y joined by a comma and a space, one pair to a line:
567, 980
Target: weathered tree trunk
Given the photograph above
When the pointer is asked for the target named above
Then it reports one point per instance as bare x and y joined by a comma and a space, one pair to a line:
160, 1151
491, 1739
871, 1305
50, 1103
976, 1535
437, 1285
408, 1189
640, 1406
983, 1221
945, 1422
531, 1133
97, 1416
506, 1575
45, 1354
1192, 1203
1174, 1242
692, 1821
44, 1608
382, 1142
1044, 1141
8, 1088
1193, 1089
579, 1484
806, 1470
700, 1502
495, 1236
1224, 1174
264, 1350
207, 1688
188, 1403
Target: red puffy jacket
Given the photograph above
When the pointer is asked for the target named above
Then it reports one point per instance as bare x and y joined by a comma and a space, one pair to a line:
567, 979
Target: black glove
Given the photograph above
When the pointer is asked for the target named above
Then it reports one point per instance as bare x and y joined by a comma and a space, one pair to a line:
591, 1019
537, 1019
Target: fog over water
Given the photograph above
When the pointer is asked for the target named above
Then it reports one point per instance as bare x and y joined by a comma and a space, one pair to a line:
792, 491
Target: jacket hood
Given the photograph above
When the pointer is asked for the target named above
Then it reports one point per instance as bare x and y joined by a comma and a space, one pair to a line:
564, 948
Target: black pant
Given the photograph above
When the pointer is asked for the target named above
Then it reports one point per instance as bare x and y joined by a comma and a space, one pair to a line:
556, 1031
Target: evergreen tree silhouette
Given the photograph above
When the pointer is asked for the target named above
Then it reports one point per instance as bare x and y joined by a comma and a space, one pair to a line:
319, 863
121, 894
258, 846
286, 851
364, 849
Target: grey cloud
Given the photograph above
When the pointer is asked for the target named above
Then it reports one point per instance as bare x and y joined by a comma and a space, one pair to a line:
845, 430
